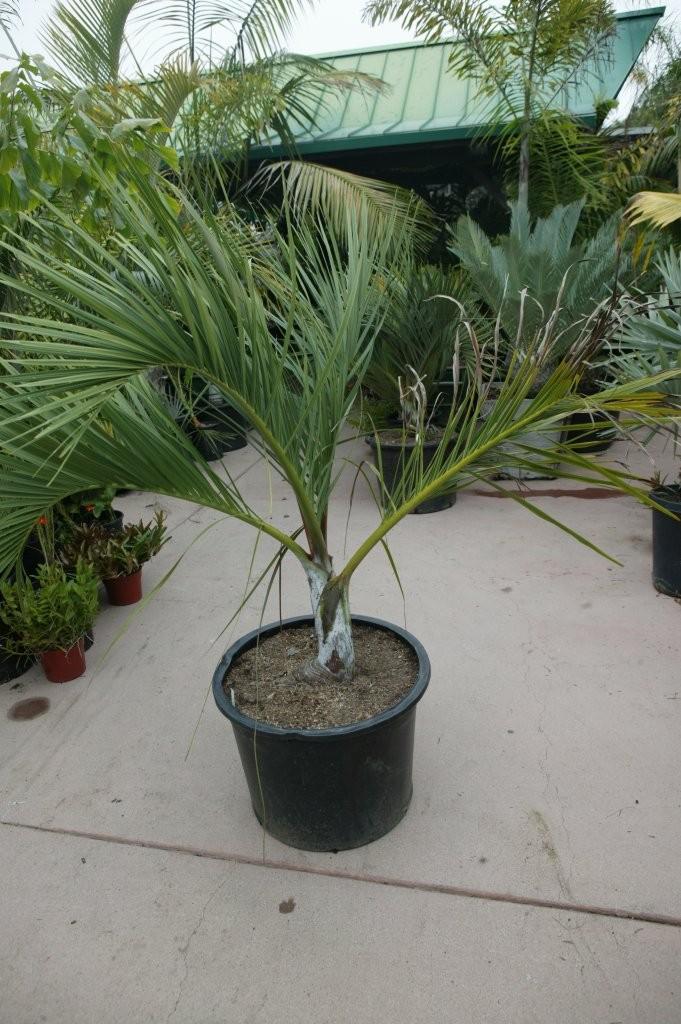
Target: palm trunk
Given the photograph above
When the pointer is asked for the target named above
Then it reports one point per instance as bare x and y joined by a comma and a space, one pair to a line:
331, 609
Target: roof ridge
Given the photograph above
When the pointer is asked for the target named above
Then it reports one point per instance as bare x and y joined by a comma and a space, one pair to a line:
414, 44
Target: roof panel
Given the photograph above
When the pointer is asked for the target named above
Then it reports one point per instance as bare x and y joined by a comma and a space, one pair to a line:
422, 101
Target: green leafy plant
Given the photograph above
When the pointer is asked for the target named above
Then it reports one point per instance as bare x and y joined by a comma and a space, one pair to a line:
542, 261
92, 504
118, 554
225, 84
417, 340
650, 340
286, 336
53, 614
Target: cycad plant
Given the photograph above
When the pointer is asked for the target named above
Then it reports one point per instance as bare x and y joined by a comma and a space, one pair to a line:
542, 261
650, 341
286, 336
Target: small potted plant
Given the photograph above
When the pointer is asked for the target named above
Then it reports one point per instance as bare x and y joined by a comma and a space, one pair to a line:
118, 558
394, 448
50, 619
94, 506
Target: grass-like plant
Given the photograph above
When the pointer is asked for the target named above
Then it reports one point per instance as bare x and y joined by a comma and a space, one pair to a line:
285, 333
52, 615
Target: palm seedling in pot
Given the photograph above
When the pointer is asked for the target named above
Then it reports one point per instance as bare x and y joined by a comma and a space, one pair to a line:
117, 559
322, 705
50, 617
411, 378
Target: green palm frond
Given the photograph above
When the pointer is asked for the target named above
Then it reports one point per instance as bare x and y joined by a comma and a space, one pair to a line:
567, 161
87, 38
330, 195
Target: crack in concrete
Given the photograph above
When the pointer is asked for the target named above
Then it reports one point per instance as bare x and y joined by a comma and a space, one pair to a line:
184, 949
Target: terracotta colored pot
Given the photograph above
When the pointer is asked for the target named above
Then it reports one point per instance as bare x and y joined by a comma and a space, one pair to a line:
125, 589
63, 666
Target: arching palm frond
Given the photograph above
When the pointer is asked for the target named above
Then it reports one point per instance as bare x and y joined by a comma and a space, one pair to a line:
87, 38
658, 208
165, 95
222, 31
260, 26
331, 194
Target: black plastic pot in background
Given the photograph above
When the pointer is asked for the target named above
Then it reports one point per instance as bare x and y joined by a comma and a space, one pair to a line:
591, 439
110, 521
327, 789
212, 441
13, 665
667, 541
394, 455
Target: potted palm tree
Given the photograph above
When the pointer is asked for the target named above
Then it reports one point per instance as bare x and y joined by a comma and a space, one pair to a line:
50, 619
285, 335
117, 559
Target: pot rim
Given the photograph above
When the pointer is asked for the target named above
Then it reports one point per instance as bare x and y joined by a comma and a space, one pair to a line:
667, 494
247, 641
398, 446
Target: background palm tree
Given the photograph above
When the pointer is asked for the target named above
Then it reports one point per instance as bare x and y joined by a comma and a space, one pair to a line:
224, 83
523, 56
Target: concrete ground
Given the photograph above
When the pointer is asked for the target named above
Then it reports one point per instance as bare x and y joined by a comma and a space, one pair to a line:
535, 878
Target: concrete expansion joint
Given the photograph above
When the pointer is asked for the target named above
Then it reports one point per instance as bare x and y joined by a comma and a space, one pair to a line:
351, 876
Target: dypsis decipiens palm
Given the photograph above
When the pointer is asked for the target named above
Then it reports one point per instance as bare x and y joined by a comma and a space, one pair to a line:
285, 334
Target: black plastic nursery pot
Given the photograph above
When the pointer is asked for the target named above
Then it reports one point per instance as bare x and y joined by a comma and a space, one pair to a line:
212, 441
327, 789
111, 522
394, 454
590, 438
667, 541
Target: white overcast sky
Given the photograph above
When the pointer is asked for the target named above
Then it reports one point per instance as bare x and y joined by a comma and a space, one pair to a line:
332, 25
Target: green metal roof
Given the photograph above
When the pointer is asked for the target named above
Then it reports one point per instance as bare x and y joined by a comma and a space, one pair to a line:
426, 103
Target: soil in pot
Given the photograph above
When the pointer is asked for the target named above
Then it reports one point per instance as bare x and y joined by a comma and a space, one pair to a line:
667, 541
333, 787
124, 590
268, 683
395, 450
63, 666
